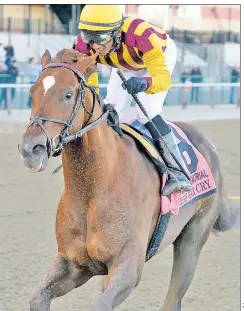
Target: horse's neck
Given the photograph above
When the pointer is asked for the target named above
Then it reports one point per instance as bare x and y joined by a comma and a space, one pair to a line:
89, 163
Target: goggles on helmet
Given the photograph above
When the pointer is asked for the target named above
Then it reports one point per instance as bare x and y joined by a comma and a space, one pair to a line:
91, 37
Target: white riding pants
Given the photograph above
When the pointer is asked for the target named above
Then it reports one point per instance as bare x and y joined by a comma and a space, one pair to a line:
153, 103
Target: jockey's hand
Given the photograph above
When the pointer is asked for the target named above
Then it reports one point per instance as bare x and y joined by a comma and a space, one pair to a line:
135, 85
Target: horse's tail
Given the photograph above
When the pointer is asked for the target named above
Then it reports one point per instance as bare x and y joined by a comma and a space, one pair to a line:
229, 215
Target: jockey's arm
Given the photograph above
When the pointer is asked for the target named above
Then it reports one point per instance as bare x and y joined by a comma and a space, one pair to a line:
156, 65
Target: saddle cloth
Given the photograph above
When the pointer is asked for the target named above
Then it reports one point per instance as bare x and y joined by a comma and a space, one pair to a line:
196, 166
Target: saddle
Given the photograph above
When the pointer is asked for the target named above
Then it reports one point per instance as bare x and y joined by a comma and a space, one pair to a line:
139, 132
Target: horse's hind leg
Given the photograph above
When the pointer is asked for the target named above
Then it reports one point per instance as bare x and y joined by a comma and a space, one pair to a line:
187, 248
62, 277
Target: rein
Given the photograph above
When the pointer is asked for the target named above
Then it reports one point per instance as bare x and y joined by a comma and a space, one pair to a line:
65, 137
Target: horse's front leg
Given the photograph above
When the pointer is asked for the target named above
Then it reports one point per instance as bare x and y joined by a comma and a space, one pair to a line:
62, 277
124, 274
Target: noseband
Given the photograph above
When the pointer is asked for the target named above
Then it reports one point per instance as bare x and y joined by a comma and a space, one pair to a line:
65, 137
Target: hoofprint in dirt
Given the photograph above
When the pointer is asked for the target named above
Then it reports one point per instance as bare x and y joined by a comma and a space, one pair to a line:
27, 217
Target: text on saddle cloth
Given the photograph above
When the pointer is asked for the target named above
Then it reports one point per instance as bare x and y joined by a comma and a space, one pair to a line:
201, 177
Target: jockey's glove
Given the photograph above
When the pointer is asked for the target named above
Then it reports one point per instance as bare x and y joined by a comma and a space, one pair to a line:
135, 85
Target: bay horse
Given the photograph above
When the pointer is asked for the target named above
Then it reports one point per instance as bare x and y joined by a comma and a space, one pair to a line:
111, 199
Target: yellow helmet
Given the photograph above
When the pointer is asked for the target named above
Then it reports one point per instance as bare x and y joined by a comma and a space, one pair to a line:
100, 17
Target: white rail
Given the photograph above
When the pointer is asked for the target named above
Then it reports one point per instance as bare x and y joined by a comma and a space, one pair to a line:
185, 86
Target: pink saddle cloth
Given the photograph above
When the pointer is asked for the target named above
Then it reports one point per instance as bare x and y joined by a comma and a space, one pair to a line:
202, 180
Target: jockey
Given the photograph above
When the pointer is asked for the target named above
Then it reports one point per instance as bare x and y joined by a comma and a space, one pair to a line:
147, 56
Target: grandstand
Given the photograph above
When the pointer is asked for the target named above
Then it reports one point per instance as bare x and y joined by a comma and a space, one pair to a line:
20, 25
208, 36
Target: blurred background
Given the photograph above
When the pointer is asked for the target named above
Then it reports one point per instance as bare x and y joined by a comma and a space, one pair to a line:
207, 38
205, 93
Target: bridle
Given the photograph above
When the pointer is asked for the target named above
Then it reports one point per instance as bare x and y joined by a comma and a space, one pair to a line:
65, 137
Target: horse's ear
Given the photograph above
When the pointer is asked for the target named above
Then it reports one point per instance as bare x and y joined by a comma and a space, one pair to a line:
91, 69
46, 57
87, 62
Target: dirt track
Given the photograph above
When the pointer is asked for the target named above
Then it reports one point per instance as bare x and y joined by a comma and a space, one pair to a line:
27, 216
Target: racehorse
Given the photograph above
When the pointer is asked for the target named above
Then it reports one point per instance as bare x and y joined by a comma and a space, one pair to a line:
110, 204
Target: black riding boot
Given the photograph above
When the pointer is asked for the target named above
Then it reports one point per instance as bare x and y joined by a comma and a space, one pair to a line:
177, 181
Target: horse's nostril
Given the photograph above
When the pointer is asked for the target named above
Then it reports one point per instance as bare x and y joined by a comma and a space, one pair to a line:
39, 149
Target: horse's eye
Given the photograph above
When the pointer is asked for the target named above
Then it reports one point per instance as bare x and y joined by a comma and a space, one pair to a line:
68, 95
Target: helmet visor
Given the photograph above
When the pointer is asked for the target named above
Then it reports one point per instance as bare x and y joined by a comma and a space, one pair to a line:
95, 37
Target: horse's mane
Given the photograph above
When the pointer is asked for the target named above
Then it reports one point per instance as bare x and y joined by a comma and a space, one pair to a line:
69, 56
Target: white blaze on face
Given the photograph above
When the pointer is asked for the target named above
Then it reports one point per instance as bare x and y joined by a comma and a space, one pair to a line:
48, 82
